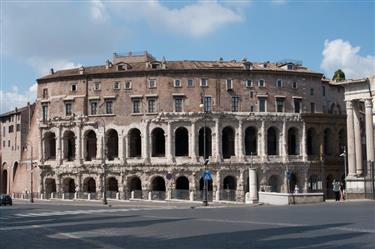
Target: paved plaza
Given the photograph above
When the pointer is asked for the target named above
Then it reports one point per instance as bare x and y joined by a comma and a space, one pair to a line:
68, 224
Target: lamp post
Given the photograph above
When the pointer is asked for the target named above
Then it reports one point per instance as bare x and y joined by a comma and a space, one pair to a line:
343, 154
31, 170
104, 166
205, 161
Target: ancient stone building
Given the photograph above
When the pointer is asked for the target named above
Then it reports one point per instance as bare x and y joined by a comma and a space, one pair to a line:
144, 126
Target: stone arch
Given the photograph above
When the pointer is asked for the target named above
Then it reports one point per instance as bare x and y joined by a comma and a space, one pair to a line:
90, 142
112, 144
293, 141
275, 183
202, 131
50, 184
4, 180
158, 142
49, 146
342, 140
89, 185
229, 183
272, 141
182, 183
312, 142
158, 184
135, 143
69, 185
112, 184
251, 141
181, 142
292, 182
228, 140
69, 145
134, 183
327, 138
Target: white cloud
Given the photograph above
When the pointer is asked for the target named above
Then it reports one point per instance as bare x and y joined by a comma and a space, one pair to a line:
16, 98
340, 54
42, 65
98, 11
197, 19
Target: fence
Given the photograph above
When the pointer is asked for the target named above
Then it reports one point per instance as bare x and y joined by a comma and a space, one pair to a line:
157, 195
199, 195
180, 194
228, 195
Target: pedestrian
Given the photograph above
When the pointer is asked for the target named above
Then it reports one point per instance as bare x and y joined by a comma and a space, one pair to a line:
336, 189
296, 189
342, 191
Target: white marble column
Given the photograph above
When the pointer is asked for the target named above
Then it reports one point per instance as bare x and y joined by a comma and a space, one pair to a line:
283, 143
262, 142
59, 155
79, 144
145, 142
126, 145
350, 139
121, 148
170, 144
357, 140
303, 142
218, 140
240, 143
193, 143
253, 191
369, 131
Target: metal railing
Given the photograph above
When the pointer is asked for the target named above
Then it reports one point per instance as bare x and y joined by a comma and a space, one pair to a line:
228, 195
199, 196
181, 194
157, 195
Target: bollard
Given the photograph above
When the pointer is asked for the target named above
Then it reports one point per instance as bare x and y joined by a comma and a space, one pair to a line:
53, 195
132, 195
89, 196
150, 195
191, 196
42, 196
75, 195
117, 196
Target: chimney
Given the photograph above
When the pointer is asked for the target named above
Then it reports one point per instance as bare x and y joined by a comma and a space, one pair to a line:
163, 63
81, 70
108, 64
51, 71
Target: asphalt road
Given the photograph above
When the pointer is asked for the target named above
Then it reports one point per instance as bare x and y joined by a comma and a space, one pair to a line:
76, 225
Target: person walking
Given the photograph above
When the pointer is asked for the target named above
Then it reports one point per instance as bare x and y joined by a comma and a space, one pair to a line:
342, 191
336, 189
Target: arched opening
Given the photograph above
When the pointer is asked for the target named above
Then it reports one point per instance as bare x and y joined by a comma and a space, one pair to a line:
229, 188
49, 146
50, 186
274, 183
207, 142
293, 145
89, 185
4, 181
112, 144
311, 142
292, 182
135, 143
69, 145
251, 141
315, 184
327, 137
112, 184
272, 141
182, 188
228, 142
69, 185
342, 140
158, 142
90, 145
332, 108
182, 142
135, 185
158, 188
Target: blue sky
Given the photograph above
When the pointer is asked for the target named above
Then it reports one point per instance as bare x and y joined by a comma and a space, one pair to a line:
38, 35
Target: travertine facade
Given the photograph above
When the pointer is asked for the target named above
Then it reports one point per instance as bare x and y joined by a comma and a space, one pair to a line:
144, 121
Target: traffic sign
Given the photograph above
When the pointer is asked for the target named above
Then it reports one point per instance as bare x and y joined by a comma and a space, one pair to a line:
169, 176
207, 175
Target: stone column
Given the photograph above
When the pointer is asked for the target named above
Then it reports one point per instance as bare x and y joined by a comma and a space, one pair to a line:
193, 143
218, 140
126, 145
240, 151
357, 140
170, 145
218, 186
369, 131
350, 139
303, 142
253, 190
262, 142
79, 144
284, 143
59, 155
99, 185
121, 148
41, 149
99, 145
145, 142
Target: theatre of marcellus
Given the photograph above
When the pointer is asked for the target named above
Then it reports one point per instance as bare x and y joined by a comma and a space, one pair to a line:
143, 127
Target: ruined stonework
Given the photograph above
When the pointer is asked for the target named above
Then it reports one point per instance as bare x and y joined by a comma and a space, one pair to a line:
140, 124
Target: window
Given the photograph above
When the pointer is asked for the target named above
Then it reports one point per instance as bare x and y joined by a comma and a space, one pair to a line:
68, 109
97, 86
290, 67
136, 105
262, 104
235, 101
280, 104
116, 85
74, 87
45, 112
248, 83
4, 131
45, 93
204, 82
177, 83
252, 108
251, 94
279, 83
151, 105
324, 91
294, 85
93, 107
4, 143
261, 83
10, 128
297, 105
8, 143
207, 105
108, 107
178, 104
312, 91
312, 107
229, 84
190, 83
128, 85
152, 83
18, 127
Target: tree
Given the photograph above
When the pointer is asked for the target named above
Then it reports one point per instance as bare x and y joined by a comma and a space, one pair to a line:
339, 75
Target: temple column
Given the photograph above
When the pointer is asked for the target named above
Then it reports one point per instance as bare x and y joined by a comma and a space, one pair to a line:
145, 142
253, 191
283, 143
262, 142
357, 140
59, 155
350, 139
79, 144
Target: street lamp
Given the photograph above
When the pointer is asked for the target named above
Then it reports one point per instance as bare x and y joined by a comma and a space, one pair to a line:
205, 160
104, 166
31, 170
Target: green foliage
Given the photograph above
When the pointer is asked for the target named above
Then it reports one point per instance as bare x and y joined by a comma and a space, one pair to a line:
339, 75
